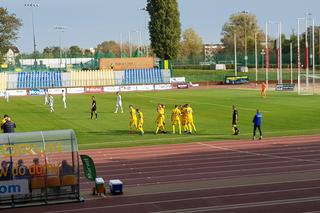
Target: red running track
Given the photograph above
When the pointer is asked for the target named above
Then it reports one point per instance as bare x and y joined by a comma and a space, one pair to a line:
273, 175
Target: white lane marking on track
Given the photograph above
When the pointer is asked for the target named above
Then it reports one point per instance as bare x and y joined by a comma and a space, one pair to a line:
243, 205
258, 154
189, 199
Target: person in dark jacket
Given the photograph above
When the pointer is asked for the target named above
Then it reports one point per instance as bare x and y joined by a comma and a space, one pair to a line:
235, 120
257, 120
22, 170
8, 126
66, 169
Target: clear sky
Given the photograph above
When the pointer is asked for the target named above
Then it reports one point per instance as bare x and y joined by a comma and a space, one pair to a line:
91, 22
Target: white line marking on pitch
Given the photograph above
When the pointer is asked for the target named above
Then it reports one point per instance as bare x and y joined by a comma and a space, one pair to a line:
209, 136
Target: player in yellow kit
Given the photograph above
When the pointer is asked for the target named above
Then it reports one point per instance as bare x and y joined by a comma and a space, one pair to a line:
190, 122
183, 118
175, 119
140, 121
133, 119
160, 119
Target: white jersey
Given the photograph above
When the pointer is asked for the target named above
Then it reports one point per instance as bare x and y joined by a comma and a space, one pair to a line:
119, 101
64, 96
64, 99
6, 95
51, 100
46, 101
119, 104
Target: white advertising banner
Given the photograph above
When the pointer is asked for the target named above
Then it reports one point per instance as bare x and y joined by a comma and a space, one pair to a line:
128, 88
17, 92
14, 187
111, 89
2, 93
55, 91
77, 90
177, 80
162, 86
145, 87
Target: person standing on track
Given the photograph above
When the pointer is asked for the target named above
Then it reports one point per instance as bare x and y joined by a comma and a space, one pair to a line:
257, 120
94, 107
119, 103
235, 120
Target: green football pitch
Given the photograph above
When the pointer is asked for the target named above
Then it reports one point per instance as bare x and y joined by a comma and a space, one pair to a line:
283, 114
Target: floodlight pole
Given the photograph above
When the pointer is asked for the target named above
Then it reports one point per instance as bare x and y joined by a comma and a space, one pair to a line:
291, 80
121, 45
256, 54
299, 53
280, 41
235, 54
32, 5
61, 30
130, 45
279, 55
307, 53
267, 57
313, 55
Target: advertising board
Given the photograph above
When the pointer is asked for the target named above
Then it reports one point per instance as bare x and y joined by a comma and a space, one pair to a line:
14, 187
236, 80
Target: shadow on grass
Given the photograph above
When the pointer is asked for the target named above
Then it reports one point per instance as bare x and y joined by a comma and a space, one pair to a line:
169, 133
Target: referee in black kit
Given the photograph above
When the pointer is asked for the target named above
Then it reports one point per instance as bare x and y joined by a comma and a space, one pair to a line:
94, 107
235, 120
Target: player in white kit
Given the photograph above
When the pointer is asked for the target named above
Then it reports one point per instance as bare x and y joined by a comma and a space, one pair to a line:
64, 99
6, 95
46, 100
119, 103
51, 103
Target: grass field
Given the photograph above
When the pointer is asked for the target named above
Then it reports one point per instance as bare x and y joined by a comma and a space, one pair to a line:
284, 114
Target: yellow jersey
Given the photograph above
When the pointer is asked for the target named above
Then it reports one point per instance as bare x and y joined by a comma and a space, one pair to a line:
140, 117
176, 113
189, 113
133, 115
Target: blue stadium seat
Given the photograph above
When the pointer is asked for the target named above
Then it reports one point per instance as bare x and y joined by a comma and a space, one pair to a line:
39, 79
143, 76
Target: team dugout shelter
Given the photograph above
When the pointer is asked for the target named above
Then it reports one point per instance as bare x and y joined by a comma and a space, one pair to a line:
39, 168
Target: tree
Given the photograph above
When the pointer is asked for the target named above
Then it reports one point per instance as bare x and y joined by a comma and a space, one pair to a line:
109, 46
244, 25
75, 51
192, 45
164, 28
47, 52
9, 26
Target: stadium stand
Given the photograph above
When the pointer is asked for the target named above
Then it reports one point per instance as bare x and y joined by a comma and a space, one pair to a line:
143, 76
3, 81
92, 78
39, 79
